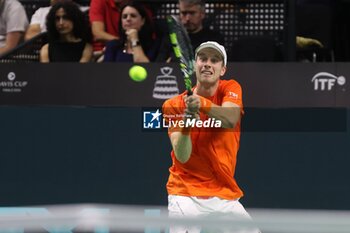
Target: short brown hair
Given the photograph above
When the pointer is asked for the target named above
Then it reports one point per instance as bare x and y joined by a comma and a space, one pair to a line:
201, 3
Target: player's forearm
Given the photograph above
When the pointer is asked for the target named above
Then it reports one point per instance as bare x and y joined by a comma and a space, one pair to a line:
182, 146
229, 116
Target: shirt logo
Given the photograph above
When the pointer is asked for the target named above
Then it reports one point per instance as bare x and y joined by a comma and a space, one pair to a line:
233, 95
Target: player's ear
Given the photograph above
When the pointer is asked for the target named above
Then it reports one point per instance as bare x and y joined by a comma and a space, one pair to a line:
223, 70
195, 64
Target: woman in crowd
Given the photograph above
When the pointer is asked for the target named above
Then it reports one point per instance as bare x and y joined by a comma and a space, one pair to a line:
138, 42
69, 35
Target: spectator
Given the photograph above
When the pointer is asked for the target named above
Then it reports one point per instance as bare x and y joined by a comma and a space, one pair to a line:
68, 34
104, 19
314, 24
137, 41
192, 15
38, 21
13, 23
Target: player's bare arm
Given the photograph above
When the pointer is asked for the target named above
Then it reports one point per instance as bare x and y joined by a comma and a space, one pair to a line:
182, 145
228, 113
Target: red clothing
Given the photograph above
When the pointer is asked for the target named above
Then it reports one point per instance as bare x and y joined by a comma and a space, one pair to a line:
211, 167
108, 12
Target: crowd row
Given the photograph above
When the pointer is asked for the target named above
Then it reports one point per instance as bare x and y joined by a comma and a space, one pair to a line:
105, 31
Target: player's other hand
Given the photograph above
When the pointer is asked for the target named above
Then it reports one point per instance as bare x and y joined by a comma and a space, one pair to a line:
192, 103
191, 115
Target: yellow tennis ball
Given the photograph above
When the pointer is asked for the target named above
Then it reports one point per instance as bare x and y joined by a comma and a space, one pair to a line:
138, 73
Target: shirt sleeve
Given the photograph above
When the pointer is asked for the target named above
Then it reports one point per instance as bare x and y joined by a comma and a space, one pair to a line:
96, 11
233, 93
37, 16
16, 19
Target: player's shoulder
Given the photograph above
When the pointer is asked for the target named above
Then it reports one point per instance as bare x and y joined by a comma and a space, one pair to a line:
229, 83
174, 101
173, 105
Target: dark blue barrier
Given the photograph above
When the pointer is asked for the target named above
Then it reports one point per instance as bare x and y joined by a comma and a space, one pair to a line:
294, 147
53, 155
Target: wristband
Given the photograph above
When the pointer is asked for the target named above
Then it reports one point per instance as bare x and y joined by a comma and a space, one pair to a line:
205, 105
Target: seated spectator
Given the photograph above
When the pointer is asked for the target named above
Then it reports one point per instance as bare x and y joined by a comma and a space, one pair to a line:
13, 23
104, 18
68, 35
314, 27
192, 15
37, 23
137, 41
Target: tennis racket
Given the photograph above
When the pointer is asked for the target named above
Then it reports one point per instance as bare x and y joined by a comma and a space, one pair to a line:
183, 50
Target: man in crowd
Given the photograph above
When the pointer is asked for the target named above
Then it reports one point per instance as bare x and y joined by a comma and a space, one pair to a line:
13, 23
192, 15
104, 18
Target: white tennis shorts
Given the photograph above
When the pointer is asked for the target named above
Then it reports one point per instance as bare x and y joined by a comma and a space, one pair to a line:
183, 206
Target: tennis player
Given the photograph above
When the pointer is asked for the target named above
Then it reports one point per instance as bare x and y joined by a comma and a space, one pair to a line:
204, 155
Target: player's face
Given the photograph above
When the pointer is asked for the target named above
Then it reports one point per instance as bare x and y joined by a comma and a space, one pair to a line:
64, 25
209, 66
131, 19
191, 17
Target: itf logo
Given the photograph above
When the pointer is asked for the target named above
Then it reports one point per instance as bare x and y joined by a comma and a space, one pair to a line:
325, 81
152, 119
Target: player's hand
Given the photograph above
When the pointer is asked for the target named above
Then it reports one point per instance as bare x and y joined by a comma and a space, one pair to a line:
192, 103
191, 115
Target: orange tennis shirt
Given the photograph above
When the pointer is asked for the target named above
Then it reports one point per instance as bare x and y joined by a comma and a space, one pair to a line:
211, 167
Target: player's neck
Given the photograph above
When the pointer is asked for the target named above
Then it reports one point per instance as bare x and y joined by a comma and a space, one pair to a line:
206, 90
